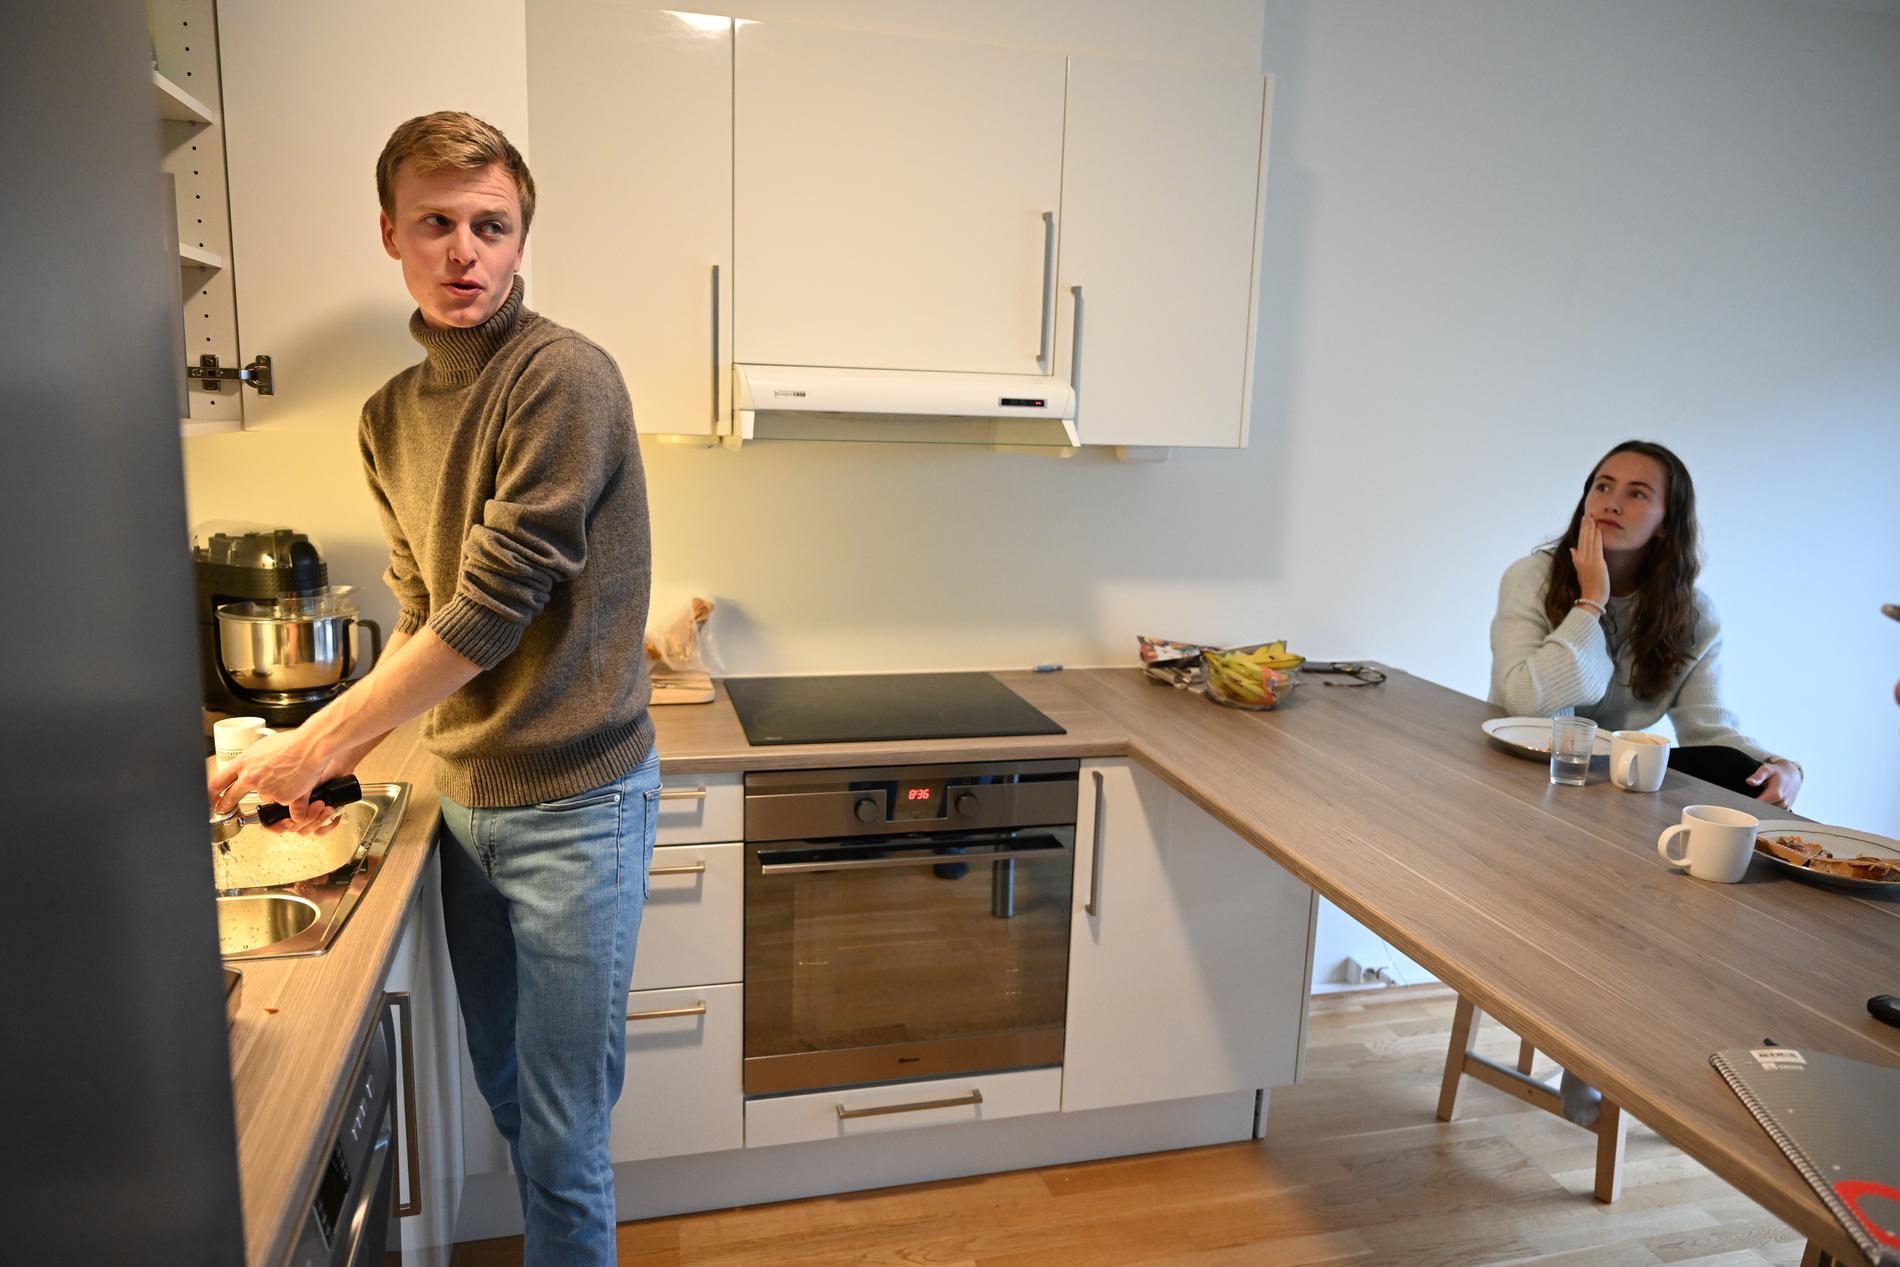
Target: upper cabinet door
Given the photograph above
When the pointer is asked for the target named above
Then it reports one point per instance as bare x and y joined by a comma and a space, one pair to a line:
1163, 186
632, 243
890, 196
311, 94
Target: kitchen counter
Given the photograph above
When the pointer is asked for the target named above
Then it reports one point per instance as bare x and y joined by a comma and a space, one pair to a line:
707, 738
1545, 906
300, 1022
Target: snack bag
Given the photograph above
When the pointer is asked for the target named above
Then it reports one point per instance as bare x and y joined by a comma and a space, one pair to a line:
679, 643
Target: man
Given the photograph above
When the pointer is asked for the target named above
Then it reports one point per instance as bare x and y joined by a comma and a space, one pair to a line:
506, 470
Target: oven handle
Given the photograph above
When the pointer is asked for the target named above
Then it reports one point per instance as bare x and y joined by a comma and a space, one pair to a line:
931, 860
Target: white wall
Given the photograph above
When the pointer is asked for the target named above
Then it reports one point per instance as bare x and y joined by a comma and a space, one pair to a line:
1501, 236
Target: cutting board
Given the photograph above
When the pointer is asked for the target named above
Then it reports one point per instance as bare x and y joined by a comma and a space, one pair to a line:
682, 688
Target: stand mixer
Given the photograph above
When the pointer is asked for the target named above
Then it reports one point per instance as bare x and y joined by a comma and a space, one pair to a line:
274, 635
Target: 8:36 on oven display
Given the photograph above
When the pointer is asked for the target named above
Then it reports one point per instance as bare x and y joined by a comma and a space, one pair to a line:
922, 799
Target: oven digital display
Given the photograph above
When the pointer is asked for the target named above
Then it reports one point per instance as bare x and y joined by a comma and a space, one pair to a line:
923, 799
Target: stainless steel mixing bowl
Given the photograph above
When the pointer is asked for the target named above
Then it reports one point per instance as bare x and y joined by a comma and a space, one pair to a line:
293, 646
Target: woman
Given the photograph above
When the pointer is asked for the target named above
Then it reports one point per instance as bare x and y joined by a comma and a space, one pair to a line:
1607, 623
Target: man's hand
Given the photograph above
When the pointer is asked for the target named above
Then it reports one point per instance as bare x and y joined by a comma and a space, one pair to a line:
1778, 780
283, 767
415, 673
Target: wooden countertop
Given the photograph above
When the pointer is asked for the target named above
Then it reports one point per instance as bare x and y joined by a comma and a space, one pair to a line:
300, 1022
1546, 906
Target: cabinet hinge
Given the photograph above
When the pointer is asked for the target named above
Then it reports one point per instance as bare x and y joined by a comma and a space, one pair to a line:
207, 371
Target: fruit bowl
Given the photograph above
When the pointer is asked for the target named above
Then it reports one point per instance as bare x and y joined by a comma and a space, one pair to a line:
1256, 677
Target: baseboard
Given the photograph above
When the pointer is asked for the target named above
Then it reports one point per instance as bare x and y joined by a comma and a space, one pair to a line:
753, 1176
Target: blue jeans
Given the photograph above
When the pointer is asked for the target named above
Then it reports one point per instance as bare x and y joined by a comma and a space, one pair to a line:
541, 905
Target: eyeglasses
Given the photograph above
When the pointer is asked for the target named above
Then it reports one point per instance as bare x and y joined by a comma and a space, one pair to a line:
1361, 674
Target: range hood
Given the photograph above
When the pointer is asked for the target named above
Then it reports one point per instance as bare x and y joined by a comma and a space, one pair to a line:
797, 402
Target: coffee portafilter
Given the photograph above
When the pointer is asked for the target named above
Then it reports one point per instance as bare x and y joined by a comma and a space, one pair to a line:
336, 793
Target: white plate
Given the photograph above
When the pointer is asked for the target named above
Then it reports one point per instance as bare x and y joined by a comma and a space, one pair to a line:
1529, 737
1838, 841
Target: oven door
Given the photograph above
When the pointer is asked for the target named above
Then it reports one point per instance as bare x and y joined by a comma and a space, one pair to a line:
900, 957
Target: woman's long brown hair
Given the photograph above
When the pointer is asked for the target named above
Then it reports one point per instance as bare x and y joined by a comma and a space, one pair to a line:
1663, 628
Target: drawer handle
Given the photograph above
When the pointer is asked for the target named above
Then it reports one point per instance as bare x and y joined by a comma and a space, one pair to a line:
975, 1097
688, 868
412, 1147
664, 1013
682, 793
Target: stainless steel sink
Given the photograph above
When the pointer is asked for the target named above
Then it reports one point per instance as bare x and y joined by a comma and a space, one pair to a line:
262, 919
303, 917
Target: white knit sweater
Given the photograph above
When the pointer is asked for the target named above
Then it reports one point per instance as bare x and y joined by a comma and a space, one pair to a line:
1538, 671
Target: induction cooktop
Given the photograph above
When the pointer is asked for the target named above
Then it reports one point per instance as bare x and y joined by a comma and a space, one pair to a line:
864, 707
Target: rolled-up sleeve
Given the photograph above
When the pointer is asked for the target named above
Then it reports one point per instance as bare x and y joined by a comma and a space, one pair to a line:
562, 443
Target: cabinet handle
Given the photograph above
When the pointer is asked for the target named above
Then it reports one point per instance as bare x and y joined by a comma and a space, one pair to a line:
1095, 855
695, 868
1045, 331
682, 793
975, 1097
715, 346
1075, 352
411, 1148
662, 1013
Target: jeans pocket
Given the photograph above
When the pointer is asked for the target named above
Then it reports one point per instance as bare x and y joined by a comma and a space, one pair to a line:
580, 801
648, 829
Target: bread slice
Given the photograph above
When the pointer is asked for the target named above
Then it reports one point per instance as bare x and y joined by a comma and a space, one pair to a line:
1861, 868
1791, 849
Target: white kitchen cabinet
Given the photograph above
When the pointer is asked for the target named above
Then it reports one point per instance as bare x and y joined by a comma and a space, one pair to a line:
684, 1092
701, 809
1163, 192
901, 1106
692, 931
311, 94
429, 1054
632, 112
1188, 951
890, 200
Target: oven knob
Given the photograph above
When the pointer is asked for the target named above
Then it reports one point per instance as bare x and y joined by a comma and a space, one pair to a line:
966, 804
866, 810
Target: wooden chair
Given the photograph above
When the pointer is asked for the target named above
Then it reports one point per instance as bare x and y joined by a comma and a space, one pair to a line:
1611, 1127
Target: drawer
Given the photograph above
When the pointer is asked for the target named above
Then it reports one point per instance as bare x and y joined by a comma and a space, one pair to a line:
794, 1119
693, 931
701, 808
683, 1092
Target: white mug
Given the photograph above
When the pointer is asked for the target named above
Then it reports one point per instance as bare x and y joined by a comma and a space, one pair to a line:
1721, 842
1638, 760
232, 735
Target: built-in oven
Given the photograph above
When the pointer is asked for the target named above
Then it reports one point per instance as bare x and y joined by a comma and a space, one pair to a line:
906, 922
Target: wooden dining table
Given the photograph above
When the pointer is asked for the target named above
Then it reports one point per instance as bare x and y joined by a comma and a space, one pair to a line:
1546, 906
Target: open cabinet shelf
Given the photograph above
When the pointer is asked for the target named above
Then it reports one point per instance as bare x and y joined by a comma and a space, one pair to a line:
176, 104
189, 254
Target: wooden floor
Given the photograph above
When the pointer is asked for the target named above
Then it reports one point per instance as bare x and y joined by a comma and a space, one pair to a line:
1354, 1169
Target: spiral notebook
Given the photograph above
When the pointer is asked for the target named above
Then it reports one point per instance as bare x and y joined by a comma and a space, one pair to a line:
1838, 1120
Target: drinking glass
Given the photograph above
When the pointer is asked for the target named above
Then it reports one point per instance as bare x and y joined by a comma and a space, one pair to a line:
1572, 739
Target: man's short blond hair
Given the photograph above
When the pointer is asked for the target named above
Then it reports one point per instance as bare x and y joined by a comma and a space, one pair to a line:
450, 138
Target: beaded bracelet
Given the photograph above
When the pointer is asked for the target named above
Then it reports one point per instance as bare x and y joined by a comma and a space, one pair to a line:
1591, 604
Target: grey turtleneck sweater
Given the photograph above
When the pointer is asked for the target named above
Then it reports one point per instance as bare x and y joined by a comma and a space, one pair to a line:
507, 472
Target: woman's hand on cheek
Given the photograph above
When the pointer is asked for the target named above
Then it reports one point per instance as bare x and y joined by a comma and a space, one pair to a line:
1778, 780
1593, 574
